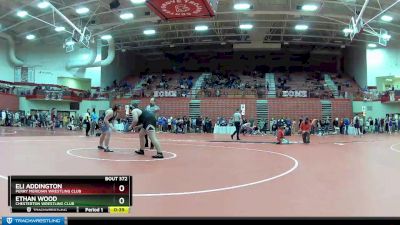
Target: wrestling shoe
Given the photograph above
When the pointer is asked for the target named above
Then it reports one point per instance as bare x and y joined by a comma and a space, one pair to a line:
158, 156
140, 152
107, 149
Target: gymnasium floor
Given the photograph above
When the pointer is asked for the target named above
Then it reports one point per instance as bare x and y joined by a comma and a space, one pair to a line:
210, 175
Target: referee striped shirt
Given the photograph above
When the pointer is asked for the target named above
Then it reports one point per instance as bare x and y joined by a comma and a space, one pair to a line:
130, 118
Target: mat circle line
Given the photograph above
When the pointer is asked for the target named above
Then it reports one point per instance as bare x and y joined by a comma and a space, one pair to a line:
294, 167
69, 152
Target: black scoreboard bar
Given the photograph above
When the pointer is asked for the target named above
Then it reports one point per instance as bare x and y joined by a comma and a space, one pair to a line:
70, 194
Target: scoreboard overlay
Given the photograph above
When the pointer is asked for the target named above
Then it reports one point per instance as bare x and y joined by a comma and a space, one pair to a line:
70, 194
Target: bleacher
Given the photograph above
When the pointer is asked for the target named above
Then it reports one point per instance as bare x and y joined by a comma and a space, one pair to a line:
243, 87
348, 85
316, 88
132, 80
172, 81
234, 85
230, 93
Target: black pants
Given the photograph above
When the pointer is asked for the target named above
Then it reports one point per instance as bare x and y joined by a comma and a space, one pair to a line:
306, 137
237, 131
87, 129
147, 142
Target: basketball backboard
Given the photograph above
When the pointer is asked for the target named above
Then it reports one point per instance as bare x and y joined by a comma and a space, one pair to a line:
354, 27
383, 37
69, 44
76, 36
85, 38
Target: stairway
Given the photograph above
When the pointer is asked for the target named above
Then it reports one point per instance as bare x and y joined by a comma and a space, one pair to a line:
331, 85
270, 79
262, 112
194, 108
327, 113
139, 84
197, 85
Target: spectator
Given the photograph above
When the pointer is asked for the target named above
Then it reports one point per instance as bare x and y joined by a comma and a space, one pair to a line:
3, 117
305, 128
346, 125
170, 124
95, 120
336, 125
198, 123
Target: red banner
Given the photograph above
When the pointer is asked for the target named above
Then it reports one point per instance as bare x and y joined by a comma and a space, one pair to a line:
181, 9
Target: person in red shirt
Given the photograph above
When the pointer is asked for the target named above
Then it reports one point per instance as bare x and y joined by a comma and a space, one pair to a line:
305, 128
280, 137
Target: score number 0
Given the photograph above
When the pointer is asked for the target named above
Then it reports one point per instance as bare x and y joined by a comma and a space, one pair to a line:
121, 189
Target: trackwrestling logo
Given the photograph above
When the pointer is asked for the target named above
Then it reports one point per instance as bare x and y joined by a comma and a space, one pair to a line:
33, 220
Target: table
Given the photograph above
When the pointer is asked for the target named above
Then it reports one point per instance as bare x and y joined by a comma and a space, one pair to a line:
224, 129
351, 130
119, 126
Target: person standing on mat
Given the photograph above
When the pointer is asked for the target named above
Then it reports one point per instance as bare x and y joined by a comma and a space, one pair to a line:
153, 108
53, 118
106, 127
145, 121
94, 118
237, 120
305, 128
86, 120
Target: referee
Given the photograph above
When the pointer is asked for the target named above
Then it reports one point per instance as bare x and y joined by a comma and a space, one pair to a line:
237, 119
153, 108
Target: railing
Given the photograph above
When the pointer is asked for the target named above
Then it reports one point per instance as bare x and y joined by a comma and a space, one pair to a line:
232, 93
365, 96
331, 85
78, 95
44, 97
198, 84
390, 96
200, 93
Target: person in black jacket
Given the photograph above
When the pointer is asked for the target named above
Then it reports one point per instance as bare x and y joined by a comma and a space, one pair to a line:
336, 125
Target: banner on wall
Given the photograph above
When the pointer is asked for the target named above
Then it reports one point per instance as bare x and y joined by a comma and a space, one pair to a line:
127, 109
24, 74
243, 109
391, 96
53, 95
165, 94
364, 110
296, 94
